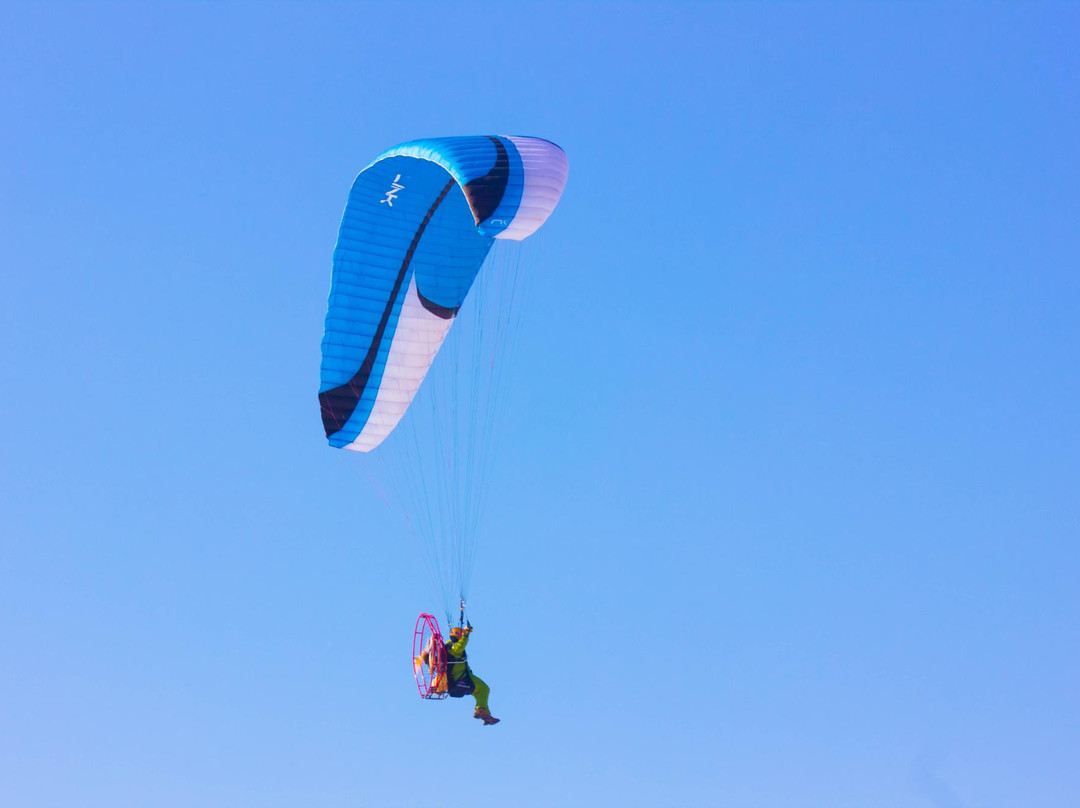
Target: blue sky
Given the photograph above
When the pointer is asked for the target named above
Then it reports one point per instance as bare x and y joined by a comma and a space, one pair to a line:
786, 509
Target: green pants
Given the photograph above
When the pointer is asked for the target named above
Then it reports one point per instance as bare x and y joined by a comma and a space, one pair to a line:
481, 692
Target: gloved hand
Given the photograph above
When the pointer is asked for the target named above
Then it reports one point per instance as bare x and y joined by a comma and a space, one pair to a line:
468, 627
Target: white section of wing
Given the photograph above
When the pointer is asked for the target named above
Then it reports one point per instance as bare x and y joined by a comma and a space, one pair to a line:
546, 169
417, 339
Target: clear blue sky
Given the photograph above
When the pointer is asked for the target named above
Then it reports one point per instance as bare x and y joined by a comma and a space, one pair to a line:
787, 511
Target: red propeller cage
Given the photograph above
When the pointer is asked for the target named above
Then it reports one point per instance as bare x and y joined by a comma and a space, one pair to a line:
429, 670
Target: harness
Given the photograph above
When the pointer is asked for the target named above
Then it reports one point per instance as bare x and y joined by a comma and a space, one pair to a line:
458, 685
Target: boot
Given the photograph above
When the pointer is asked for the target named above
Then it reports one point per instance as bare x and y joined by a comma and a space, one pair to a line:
485, 714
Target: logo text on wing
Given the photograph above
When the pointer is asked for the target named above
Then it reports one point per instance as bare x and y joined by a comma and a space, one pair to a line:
395, 188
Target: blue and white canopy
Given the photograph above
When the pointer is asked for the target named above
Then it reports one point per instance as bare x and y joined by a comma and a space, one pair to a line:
418, 224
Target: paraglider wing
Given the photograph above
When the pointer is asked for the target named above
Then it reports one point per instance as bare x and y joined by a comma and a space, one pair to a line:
417, 227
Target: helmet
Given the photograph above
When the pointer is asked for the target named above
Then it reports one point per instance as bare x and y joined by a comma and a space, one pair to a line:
457, 632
